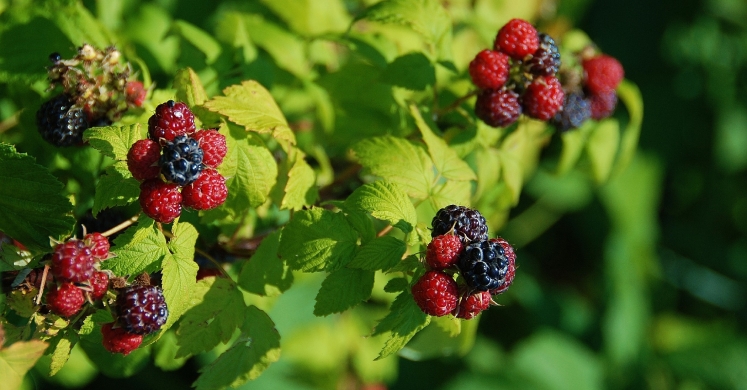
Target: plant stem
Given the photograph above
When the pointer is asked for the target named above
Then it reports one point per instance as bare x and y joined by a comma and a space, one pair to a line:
121, 226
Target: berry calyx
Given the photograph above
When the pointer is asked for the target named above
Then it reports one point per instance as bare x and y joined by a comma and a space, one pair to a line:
65, 300
99, 245
546, 60
498, 108
213, 145
207, 192
603, 73
142, 159
483, 265
170, 120
468, 224
118, 340
517, 38
471, 305
181, 160
72, 261
141, 309
489, 69
443, 251
543, 98
160, 201
59, 123
435, 293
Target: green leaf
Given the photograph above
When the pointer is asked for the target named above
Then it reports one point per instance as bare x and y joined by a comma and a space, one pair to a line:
61, 348
630, 95
257, 348
360, 221
404, 320
32, 205
179, 271
380, 253
412, 71
512, 175
250, 105
573, 147
203, 41
141, 248
602, 147
447, 162
78, 23
189, 88
164, 353
409, 265
317, 240
451, 192
250, 172
232, 28
300, 190
398, 161
116, 187
288, 50
343, 289
396, 285
35, 39
265, 273
17, 359
114, 141
218, 311
312, 17
385, 201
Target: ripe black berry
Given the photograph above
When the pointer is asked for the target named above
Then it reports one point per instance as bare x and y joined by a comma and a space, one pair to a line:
59, 123
181, 160
142, 309
546, 60
468, 224
484, 265
575, 111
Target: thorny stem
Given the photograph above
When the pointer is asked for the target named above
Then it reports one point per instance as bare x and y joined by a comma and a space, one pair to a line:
121, 226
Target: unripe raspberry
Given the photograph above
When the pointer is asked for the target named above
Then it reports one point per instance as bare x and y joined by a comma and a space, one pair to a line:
443, 251
517, 38
471, 305
435, 293
489, 69
160, 201
543, 98
72, 261
135, 93
603, 73
65, 300
142, 159
498, 108
118, 340
207, 192
213, 145
99, 245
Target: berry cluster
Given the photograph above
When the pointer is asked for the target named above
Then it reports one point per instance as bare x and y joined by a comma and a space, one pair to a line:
461, 248
517, 76
140, 310
74, 267
177, 164
97, 88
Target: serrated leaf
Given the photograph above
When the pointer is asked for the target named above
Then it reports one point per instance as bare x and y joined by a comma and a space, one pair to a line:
102, 316
116, 187
189, 88
412, 71
17, 359
450, 192
265, 273
32, 205
88, 325
385, 201
113, 141
408, 265
360, 221
250, 172
602, 148
396, 285
380, 253
405, 319
61, 348
250, 355
317, 240
300, 190
203, 41
343, 289
249, 105
179, 271
213, 319
140, 248
446, 160
398, 161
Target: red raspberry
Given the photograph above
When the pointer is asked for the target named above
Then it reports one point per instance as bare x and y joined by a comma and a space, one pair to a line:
170, 120
517, 38
135, 93
72, 261
99, 245
160, 201
142, 159
435, 293
99, 285
443, 251
498, 108
543, 98
603, 73
508, 251
489, 69
207, 192
471, 305
118, 340
213, 145
603, 104
65, 300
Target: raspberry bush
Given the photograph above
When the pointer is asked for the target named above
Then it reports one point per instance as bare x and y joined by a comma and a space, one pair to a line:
199, 195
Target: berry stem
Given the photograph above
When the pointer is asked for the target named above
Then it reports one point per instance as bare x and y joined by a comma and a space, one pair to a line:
41, 286
384, 231
121, 226
440, 111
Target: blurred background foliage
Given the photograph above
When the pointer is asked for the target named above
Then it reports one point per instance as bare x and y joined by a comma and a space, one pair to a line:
639, 283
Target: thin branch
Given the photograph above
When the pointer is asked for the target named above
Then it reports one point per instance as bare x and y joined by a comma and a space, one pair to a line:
121, 226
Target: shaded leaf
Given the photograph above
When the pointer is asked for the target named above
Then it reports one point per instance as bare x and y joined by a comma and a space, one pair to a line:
179, 271
446, 160
343, 289
404, 320
412, 71
265, 273
114, 141
140, 248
